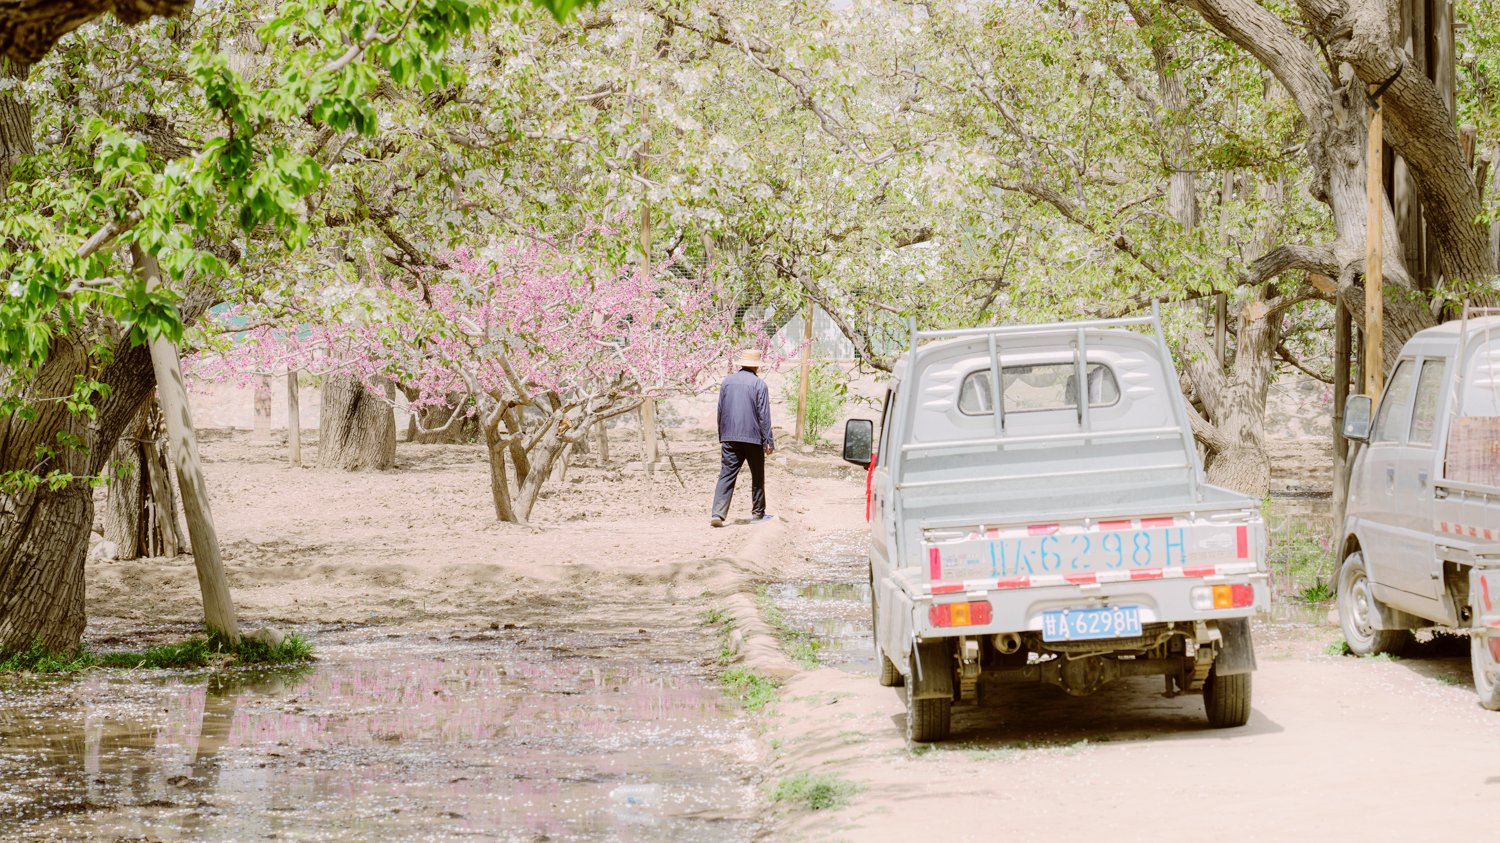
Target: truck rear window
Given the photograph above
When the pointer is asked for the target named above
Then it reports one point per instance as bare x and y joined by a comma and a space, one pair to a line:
1043, 386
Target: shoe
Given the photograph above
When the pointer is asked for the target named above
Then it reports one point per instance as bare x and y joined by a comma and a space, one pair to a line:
716, 521
761, 519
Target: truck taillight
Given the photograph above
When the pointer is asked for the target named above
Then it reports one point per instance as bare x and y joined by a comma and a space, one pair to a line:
976, 613
1207, 598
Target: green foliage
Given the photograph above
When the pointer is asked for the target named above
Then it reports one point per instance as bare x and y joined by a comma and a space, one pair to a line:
827, 392
753, 691
814, 791
1338, 648
191, 653
1319, 592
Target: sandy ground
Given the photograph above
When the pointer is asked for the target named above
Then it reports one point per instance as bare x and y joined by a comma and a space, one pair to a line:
1337, 748
419, 546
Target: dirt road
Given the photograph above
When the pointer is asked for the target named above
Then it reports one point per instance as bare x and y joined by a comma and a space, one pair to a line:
1337, 748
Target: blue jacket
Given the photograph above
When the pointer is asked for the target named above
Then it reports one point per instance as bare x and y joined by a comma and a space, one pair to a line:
745, 410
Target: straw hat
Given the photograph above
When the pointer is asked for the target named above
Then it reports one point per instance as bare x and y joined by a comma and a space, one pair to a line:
748, 359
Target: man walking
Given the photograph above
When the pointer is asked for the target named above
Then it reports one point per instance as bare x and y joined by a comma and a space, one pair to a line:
744, 437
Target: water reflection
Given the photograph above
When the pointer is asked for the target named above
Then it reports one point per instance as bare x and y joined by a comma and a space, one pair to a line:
389, 741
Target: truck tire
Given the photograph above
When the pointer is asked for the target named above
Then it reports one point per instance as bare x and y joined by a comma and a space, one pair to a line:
927, 720
1359, 610
1483, 656
1226, 699
890, 677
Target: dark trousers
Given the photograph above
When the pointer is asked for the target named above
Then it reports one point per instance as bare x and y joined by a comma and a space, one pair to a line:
734, 455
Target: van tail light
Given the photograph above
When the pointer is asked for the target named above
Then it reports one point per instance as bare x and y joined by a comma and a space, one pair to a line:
1206, 598
976, 613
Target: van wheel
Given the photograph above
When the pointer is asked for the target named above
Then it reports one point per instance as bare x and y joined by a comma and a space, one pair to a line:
1484, 654
1226, 699
927, 720
1359, 610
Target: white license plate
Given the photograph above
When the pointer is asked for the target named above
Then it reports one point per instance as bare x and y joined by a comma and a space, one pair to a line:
1071, 551
1087, 624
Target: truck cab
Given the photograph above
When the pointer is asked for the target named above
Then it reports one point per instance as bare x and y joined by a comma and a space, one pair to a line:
1038, 513
1420, 539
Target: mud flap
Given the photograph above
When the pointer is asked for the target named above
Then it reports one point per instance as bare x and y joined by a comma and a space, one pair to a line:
1236, 653
933, 673
1484, 597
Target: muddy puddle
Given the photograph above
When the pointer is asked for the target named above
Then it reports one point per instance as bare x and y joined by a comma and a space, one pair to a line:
833, 604
513, 736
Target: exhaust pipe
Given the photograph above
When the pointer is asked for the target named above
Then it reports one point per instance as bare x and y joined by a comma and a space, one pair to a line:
1007, 642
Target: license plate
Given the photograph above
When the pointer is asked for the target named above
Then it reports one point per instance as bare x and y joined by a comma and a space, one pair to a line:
1086, 624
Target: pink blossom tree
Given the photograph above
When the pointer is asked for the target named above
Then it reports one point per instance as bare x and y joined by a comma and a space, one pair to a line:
538, 340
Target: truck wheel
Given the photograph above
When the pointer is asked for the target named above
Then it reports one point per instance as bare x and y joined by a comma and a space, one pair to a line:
890, 677
1226, 699
1359, 610
927, 720
1484, 654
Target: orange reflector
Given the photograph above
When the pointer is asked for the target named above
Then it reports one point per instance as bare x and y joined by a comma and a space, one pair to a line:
1222, 597
977, 613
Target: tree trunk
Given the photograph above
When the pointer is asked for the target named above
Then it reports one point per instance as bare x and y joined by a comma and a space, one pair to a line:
433, 418
218, 607
543, 457
42, 545
44, 532
260, 433
357, 430
499, 484
140, 515
126, 502
294, 418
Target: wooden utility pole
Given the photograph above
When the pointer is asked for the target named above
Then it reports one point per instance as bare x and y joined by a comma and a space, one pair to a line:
807, 338
1374, 369
293, 417
182, 441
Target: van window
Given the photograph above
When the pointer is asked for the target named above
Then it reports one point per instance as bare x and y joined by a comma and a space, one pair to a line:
1043, 386
1424, 411
1395, 407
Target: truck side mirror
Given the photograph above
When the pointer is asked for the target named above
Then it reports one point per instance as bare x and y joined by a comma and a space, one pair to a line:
859, 440
1357, 418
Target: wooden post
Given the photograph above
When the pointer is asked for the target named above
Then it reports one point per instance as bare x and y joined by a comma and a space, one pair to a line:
807, 338
1342, 334
1221, 326
182, 440
1374, 368
293, 417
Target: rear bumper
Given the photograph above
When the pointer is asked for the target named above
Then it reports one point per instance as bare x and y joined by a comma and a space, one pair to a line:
1165, 600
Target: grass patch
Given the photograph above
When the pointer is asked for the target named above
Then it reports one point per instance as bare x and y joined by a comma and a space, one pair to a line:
1318, 592
817, 792
1452, 681
801, 646
1300, 559
192, 653
1385, 657
722, 619
38, 659
754, 691
1338, 648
